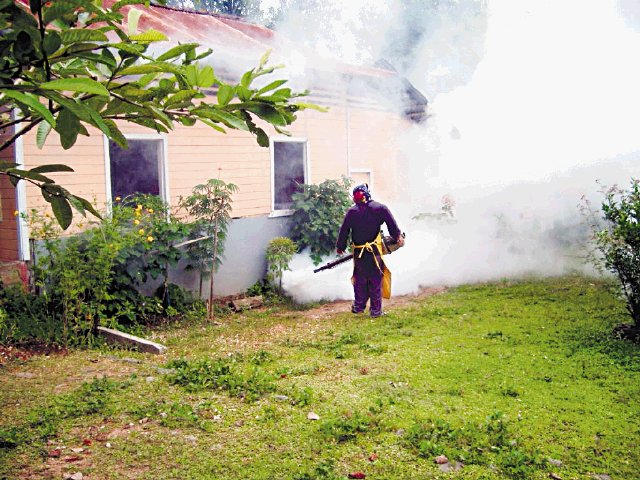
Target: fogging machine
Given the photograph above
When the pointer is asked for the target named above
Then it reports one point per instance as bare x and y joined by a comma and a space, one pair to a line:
389, 245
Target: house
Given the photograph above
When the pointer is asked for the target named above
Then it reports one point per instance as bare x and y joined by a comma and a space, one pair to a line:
368, 107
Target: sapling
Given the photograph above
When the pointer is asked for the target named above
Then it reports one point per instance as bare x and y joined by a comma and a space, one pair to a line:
279, 253
209, 205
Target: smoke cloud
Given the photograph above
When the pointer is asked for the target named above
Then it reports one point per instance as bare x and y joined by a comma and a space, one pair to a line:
530, 104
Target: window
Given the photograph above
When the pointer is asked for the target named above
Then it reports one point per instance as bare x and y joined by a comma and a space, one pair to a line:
138, 169
289, 170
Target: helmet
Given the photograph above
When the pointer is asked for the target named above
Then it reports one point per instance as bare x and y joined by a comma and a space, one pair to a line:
361, 194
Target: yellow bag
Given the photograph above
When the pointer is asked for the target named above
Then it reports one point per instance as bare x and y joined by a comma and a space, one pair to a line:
386, 282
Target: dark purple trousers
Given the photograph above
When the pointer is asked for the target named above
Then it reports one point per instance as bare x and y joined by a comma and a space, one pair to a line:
367, 285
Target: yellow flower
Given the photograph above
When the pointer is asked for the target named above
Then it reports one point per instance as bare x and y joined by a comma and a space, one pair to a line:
137, 212
150, 210
150, 238
16, 213
136, 222
141, 231
139, 207
47, 215
118, 199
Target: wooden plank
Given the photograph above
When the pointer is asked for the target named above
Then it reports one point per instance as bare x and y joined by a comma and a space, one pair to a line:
121, 338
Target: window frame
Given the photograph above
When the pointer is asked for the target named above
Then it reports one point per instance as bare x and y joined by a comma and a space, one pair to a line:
305, 166
163, 167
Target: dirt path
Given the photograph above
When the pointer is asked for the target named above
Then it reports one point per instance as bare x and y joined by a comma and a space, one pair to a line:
340, 306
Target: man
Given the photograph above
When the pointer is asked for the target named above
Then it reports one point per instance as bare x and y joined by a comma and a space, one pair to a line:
363, 221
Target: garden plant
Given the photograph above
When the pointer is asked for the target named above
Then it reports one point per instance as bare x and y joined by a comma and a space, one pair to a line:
317, 214
616, 240
279, 253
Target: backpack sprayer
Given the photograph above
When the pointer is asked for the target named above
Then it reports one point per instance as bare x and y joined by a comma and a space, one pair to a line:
389, 245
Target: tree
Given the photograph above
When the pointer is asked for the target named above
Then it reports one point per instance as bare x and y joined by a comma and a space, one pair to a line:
67, 65
210, 207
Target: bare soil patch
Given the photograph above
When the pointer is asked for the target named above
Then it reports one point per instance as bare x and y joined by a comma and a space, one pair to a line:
342, 306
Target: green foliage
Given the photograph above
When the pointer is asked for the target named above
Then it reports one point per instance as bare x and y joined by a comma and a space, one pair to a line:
95, 277
318, 213
220, 374
616, 237
25, 317
348, 426
489, 443
209, 206
280, 251
42, 423
71, 65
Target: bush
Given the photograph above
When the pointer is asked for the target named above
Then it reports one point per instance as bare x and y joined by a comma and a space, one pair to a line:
94, 277
318, 213
279, 253
616, 237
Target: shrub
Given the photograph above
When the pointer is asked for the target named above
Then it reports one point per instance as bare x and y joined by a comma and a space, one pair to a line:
318, 213
616, 237
279, 253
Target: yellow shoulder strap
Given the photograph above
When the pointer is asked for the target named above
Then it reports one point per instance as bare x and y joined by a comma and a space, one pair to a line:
377, 243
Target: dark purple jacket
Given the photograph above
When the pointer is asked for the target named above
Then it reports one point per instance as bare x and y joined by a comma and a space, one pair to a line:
363, 222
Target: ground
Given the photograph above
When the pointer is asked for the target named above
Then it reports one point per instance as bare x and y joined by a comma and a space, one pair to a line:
9, 353
341, 306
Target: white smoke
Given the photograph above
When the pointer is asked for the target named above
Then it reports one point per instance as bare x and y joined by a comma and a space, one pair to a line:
515, 139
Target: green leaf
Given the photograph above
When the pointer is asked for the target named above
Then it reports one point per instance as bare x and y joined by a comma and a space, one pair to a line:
61, 210
42, 133
262, 137
84, 85
32, 101
200, 77
75, 35
228, 119
86, 205
225, 94
271, 86
243, 93
181, 97
132, 21
264, 59
270, 114
52, 167
115, 133
153, 67
57, 10
67, 127
52, 42
247, 78
150, 35
213, 125
177, 51
29, 174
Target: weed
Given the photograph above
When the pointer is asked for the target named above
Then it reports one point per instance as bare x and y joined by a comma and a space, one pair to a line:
487, 444
348, 426
218, 374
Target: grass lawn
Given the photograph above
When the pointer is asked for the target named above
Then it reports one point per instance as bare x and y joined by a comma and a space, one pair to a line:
506, 380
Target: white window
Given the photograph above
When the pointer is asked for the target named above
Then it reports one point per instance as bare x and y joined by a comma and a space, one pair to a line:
141, 168
289, 171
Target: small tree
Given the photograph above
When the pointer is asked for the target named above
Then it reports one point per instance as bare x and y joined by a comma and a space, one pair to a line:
210, 206
616, 238
318, 213
279, 253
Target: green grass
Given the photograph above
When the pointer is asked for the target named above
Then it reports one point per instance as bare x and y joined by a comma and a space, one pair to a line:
500, 377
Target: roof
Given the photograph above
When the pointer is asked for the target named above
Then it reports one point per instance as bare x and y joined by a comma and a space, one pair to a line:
238, 45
